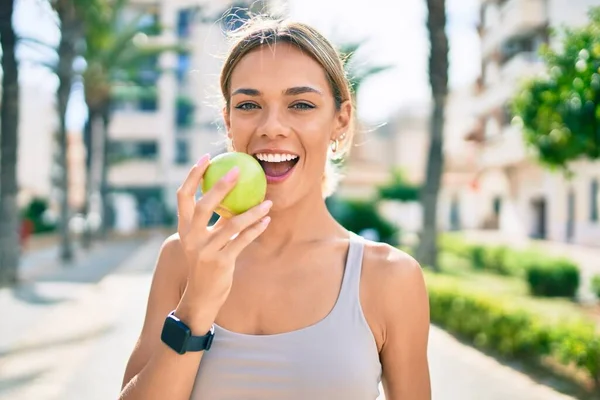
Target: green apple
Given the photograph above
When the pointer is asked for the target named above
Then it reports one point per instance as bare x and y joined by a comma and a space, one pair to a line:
251, 186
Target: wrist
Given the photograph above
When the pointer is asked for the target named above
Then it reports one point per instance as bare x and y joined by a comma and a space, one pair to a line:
197, 317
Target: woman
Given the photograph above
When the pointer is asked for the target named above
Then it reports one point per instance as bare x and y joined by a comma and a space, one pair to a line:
283, 302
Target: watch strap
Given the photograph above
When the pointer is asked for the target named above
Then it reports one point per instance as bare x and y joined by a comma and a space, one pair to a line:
200, 343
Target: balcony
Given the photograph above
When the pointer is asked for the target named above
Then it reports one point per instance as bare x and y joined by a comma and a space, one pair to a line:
503, 150
519, 16
514, 18
136, 125
135, 173
521, 66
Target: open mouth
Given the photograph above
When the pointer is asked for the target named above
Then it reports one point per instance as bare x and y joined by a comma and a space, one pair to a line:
277, 167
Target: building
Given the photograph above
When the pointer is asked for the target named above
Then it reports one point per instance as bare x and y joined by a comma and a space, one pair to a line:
36, 166
516, 195
176, 115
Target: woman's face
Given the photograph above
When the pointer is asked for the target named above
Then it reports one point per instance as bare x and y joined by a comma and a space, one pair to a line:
282, 112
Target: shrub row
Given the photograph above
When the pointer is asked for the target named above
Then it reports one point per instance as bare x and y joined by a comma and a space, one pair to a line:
546, 275
495, 323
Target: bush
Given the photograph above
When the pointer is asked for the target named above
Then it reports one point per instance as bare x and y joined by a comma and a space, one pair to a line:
552, 277
500, 325
35, 212
358, 215
546, 276
596, 285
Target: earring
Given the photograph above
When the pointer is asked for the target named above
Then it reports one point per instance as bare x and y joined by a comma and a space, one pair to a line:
334, 145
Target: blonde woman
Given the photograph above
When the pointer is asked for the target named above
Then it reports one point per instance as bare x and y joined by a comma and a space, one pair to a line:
294, 306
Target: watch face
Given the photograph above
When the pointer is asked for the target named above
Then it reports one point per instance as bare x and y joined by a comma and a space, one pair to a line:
175, 334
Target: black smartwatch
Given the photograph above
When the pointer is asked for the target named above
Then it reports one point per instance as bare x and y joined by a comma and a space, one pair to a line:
178, 336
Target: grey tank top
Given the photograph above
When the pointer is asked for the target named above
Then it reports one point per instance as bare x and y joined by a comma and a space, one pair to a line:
336, 358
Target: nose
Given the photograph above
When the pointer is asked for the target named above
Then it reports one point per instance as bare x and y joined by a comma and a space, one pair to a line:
274, 125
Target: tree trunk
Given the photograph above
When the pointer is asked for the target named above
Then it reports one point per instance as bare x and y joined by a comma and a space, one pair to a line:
71, 32
427, 253
86, 238
106, 206
9, 212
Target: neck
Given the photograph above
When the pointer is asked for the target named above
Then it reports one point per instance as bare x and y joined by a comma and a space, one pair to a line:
308, 220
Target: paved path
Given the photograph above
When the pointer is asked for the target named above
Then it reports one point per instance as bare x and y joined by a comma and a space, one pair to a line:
78, 348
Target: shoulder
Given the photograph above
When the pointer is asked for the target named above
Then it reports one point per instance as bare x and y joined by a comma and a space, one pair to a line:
393, 268
394, 287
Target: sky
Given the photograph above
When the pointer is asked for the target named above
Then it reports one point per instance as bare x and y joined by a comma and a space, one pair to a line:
396, 34
394, 31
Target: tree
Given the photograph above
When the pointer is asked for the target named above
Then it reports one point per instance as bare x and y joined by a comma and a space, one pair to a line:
427, 252
117, 56
9, 213
358, 73
559, 111
71, 29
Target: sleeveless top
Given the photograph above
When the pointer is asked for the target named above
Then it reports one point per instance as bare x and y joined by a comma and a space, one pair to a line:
335, 358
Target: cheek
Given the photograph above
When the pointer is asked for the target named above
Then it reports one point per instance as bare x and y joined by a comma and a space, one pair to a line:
314, 134
240, 131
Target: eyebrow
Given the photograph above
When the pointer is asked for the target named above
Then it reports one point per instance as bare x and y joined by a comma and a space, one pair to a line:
293, 91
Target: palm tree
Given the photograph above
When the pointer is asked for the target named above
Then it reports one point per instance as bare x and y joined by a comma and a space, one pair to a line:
111, 51
9, 213
427, 252
357, 74
71, 28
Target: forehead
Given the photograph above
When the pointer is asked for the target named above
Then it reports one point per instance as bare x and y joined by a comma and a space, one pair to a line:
281, 65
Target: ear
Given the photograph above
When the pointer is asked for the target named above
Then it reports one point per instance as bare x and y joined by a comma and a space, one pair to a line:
227, 120
343, 119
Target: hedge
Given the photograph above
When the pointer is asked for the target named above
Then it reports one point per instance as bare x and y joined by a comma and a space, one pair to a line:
498, 324
546, 275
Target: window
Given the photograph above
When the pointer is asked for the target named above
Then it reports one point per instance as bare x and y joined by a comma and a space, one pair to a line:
130, 149
182, 151
497, 206
183, 66
184, 22
594, 201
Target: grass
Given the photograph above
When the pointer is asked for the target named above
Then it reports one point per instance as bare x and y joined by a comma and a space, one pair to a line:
458, 271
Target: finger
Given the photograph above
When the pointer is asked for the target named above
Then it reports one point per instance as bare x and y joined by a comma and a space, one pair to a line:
235, 247
210, 200
186, 194
229, 228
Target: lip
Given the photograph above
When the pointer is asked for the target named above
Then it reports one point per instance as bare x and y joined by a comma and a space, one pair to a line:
281, 178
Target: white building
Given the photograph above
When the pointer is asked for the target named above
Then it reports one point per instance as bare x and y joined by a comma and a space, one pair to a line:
162, 137
515, 194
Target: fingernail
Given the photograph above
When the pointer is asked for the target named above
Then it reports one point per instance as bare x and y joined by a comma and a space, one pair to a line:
266, 206
265, 220
203, 159
232, 174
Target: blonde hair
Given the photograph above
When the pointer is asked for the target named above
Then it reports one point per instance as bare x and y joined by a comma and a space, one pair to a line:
263, 31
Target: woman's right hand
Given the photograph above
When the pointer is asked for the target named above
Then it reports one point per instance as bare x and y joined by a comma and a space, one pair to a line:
211, 252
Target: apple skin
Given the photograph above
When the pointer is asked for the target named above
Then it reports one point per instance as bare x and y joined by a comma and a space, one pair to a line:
250, 189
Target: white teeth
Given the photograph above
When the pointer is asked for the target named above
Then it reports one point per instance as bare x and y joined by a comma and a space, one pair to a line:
275, 157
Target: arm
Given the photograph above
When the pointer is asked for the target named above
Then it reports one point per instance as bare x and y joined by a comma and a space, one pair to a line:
406, 319
202, 259
154, 370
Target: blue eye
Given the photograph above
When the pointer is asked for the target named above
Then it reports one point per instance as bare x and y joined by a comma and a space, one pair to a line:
247, 106
303, 106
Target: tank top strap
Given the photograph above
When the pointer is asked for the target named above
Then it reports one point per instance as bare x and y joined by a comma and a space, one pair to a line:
349, 292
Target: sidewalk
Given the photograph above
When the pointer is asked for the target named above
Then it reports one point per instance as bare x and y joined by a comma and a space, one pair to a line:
47, 284
588, 258
78, 349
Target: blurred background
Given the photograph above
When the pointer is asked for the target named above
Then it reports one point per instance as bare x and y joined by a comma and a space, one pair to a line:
478, 153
